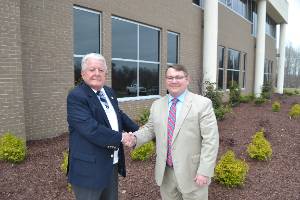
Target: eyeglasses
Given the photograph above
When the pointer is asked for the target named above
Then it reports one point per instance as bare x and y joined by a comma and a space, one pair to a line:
176, 78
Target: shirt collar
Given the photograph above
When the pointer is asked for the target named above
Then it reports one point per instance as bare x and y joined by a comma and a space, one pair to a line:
102, 90
180, 97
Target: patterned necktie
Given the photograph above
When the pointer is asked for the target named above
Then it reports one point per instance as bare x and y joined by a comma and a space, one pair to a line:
102, 98
171, 127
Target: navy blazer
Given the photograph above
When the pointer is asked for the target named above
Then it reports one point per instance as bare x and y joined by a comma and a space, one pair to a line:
92, 141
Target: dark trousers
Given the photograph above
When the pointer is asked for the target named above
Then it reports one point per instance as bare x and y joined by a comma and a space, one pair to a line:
108, 193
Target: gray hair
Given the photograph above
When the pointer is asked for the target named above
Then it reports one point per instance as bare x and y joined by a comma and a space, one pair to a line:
96, 56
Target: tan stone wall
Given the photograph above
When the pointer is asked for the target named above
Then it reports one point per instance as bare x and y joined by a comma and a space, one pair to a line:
168, 15
235, 33
36, 54
47, 59
11, 89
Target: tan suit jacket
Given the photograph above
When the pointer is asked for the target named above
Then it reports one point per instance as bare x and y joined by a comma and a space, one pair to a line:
195, 139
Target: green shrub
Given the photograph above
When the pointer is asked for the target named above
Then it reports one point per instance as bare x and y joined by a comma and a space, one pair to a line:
221, 111
295, 111
12, 148
143, 152
64, 167
234, 94
267, 90
143, 118
260, 148
259, 101
230, 171
64, 163
276, 106
213, 94
288, 92
297, 92
246, 98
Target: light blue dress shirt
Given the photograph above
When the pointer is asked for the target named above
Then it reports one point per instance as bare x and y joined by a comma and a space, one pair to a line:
179, 103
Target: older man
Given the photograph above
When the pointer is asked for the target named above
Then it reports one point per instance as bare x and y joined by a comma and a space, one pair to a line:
95, 124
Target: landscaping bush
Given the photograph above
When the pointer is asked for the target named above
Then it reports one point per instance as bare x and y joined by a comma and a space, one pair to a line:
246, 98
64, 163
12, 148
143, 152
276, 106
64, 167
267, 90
234, 94
295, 111
288, 92
221, 111
230, 171
259, 101
260, 148
143, 118
213, 94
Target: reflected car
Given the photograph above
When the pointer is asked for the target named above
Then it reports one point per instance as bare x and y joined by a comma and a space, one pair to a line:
132, 89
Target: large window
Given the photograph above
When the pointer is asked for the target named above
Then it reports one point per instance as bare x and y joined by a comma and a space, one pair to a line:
86, 36
220, 67
233, 67
244, 70
135, 58
173, 47
199, 3
270, 27
268, 68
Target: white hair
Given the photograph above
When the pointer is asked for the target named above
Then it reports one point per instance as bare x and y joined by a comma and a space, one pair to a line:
96, 56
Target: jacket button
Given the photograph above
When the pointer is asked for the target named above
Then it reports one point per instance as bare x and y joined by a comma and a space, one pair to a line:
111, 156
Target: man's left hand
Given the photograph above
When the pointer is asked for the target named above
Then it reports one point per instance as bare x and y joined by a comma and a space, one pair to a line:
201, 180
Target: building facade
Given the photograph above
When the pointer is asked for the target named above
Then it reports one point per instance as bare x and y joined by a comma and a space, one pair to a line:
43, 41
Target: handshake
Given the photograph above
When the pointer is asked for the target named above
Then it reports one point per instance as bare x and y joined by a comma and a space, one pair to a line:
128, 139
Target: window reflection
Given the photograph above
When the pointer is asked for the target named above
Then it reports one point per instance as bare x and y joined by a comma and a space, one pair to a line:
86, 32
148, 44
149, 78
135, 59
172, 48
124, 76
221, 67
233, 67
124, 39
86, 36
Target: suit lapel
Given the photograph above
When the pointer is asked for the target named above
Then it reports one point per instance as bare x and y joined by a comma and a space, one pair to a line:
94, 99
164, 116
185, 109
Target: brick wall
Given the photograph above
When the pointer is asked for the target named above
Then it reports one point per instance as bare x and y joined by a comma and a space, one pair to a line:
47, 50
11, 90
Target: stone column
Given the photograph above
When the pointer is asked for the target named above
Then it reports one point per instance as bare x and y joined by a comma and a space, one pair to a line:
260, 47
282, 43
210, 41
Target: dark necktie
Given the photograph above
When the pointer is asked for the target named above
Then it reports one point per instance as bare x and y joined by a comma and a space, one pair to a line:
102, 98
171, 127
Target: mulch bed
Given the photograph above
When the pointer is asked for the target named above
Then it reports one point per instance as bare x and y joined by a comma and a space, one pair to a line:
40, 177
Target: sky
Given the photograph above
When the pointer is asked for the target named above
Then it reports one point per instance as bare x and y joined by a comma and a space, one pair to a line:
293, 28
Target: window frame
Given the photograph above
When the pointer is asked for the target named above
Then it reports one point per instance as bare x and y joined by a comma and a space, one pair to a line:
76, 56
177, 50
138, 61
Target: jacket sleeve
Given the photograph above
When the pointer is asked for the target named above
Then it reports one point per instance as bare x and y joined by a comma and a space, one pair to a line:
210, 140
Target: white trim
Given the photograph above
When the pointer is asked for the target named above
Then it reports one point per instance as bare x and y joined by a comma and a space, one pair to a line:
231, 9
87, 10
131, 60
133, 22
138, 98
